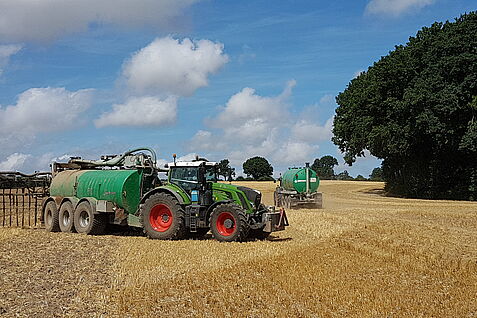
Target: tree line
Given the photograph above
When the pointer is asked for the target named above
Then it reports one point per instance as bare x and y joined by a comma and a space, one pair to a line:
259, 169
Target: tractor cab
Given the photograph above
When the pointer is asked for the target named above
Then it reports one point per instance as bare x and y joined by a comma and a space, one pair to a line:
192, 175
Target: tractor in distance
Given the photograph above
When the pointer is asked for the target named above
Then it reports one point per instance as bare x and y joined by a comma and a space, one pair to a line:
86, 195
298, 188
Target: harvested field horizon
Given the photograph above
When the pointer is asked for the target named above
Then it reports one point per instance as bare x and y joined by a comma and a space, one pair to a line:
363, 255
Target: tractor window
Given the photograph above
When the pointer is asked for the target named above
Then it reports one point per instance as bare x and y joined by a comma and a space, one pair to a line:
210, 174
185, 177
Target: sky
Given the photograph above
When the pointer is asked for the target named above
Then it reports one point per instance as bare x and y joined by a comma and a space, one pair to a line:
222, 79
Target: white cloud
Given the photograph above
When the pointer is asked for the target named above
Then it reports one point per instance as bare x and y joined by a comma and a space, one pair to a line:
43, 110
141, 111
253, 125
309, 131
395, 7
14, 162
170, 66
5, 52
295, 152
250, 118
25, 20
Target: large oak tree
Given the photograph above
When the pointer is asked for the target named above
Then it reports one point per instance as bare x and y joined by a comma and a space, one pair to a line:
415, 108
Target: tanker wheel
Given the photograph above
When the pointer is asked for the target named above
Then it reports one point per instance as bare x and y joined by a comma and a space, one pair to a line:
86, 222
162, 217
51, 217
66, 217
228, 223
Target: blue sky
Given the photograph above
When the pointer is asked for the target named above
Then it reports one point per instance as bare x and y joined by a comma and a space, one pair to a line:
223, 79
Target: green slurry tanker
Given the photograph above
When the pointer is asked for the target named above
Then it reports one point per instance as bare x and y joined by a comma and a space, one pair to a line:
298, 188
87, 195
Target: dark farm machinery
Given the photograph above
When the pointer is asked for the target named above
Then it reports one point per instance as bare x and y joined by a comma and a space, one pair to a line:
87, 195
298, 188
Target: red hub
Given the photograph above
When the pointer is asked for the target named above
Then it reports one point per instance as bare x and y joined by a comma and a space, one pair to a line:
160, 218
226, 224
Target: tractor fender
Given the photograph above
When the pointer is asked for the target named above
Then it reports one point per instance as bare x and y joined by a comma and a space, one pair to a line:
162, 190
92, 201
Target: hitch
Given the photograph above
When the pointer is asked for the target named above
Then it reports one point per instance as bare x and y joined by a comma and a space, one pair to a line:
275, 221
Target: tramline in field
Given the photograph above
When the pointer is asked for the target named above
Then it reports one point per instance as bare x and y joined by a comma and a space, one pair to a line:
86, 195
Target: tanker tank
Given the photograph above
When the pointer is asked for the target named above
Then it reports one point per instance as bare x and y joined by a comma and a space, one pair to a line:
298, 188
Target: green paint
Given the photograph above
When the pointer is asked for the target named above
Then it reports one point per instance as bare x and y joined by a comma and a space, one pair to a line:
121, 187
295, 179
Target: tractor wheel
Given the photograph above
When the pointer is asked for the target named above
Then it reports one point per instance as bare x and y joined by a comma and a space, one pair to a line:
85, 221
162, 217
51, 218
66, 217
228, 223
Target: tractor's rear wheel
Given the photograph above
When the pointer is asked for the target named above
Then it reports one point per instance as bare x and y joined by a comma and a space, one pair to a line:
66, 217
51, 217
162, 217
86, 222
228, 223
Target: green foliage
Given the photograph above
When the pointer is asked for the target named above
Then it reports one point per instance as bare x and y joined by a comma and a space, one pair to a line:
224, 169
344, 176
415, 109
240, 178
324, 167
257, 167
360, 178
376, 174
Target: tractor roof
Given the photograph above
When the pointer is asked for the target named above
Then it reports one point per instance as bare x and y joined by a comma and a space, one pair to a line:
191, 163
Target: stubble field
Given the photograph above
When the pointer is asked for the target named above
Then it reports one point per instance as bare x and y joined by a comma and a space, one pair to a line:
363, 255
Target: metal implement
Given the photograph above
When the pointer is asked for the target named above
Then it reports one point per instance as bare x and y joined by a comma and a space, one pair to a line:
21, 196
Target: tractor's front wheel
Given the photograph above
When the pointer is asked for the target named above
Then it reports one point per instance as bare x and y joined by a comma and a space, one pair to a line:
162, 217
228, 223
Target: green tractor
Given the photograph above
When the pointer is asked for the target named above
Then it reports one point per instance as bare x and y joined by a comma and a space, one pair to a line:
87, 195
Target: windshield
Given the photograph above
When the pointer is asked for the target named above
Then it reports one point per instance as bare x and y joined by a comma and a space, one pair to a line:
210, 174
185, 177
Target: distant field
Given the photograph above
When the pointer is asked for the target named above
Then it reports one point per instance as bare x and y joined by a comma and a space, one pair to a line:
363, 255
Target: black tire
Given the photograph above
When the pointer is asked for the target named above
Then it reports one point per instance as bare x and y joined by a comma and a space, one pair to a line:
228, 223
162, 217
86, 222
258, 234
51, 218
66, 217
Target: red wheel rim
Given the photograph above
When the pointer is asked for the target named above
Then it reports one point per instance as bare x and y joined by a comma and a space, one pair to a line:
226, 224
160, 218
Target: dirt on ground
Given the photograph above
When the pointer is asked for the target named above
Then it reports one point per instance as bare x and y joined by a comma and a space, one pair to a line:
362, 255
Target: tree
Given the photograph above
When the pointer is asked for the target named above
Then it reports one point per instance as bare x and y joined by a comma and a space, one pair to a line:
257, 167
415, 109
324, 167
360, 178
376, 174
224, 169
343, 176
